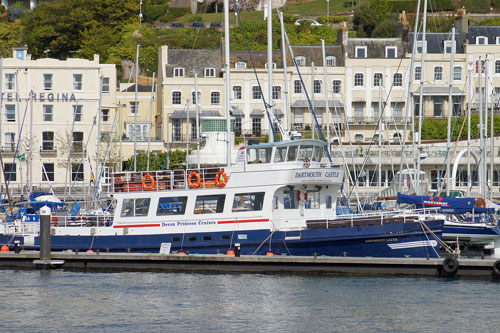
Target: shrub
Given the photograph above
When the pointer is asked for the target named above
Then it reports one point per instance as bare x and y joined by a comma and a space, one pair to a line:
174, 13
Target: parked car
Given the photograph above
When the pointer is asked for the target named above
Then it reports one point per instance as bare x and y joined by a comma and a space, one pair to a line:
177, 25
313, 22
216, 25
197, 25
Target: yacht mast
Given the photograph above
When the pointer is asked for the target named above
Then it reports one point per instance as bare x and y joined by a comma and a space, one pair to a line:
270, 66
227, 82
450, 109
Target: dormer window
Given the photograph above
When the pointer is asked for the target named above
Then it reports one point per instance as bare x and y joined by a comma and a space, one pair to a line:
331, 61
419, 46
360, 51
391, 51
179, 72
300, 60
481, 40
449, 46
266, 66
209, 72
240, 65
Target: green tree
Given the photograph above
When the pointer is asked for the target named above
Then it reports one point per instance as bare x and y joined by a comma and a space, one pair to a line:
157, 161
364, 20
10, 36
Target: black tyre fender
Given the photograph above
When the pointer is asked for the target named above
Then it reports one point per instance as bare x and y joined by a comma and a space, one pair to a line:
450, 265
496, 268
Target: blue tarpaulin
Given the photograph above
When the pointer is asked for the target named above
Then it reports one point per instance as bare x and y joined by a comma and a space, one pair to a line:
444, 204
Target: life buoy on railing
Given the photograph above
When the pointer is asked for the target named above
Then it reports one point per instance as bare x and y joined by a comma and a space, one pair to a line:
152, 181
194, 183
221, 179
118, 180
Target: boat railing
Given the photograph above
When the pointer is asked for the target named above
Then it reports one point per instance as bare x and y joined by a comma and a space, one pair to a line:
164, 180
82, 220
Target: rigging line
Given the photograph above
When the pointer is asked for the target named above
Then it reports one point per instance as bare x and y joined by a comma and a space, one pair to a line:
19, 137
307, 95
266, 105
427, 237
381, 114
263, 242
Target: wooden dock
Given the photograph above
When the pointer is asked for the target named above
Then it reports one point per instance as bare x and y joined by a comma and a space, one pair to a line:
441, 267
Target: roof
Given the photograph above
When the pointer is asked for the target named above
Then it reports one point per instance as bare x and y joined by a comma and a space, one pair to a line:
302, 103
141, 88
439, 91
492, 32
375, 47
435, 42
181, 114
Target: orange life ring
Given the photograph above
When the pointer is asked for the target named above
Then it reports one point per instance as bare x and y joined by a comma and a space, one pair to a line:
197, 182
221, 179
118, 180
151, 179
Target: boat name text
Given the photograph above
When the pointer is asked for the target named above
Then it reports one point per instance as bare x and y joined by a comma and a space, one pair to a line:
316, 174
187, 223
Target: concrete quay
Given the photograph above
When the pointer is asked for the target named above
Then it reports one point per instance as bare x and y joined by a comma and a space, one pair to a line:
440, 267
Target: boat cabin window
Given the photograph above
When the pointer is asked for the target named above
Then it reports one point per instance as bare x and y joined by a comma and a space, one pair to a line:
207, 237
192, 239
225, 237
246, 202
290, 199
275, 202
259, 155
207, 204
292, 153
312, 201
171, 206
328, 202
305, 151
280, 154
176, 239
135, 207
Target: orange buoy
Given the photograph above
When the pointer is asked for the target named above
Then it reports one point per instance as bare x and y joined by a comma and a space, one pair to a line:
4, 248
221, 179
230, 252
152, 182
182, 252
194, 179
90, 251
269, 254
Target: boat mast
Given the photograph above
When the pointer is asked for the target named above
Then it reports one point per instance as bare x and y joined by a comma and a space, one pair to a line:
20, 133
136, 105
450, 109
492, 142
421, 100
481, 133
285, 73
270, 65
227, 82
469, 83
98, 143
197, 110
327, 109
151, 116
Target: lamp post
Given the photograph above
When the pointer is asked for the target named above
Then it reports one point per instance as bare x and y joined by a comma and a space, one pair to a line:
140, 14
328, 12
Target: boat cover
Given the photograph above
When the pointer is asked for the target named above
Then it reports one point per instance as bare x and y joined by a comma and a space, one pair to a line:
444, 204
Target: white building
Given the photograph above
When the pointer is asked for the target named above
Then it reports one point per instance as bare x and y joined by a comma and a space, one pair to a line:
51, 114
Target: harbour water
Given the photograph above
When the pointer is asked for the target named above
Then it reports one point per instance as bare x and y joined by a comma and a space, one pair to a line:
64, 301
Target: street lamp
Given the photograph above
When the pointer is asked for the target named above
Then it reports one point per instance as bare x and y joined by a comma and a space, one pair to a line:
328, 12
140, 13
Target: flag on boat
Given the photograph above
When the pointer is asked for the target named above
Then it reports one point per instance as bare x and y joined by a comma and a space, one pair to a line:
444, 204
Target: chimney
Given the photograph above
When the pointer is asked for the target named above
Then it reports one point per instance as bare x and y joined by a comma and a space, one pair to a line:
342, 35
402, 27
462, 24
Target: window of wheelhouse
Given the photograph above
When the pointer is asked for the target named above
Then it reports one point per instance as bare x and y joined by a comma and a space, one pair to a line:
248, 202
280, 154
318, 153
135, 207
171, 206
292, 153
208, 204
259, 155
305, 151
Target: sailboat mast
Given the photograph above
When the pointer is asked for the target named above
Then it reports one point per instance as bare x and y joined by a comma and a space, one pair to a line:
469, 177
481, 132
285, 75
327, 109
421, 99
270, 65
151, 116
227, 82
136, 105
450, 109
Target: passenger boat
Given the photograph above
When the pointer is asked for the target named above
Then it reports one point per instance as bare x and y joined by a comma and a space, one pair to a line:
278, 197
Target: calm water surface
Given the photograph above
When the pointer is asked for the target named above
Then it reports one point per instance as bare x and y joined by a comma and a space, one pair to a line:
62, 301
